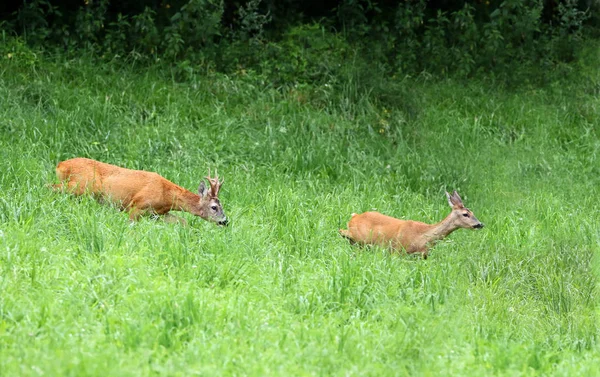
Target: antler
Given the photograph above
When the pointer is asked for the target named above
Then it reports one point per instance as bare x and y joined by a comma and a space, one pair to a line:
215, 185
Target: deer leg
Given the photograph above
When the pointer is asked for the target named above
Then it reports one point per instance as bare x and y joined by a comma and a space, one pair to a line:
65, 186
72, 187
346, 234
135, 213
170, 218
59, 187
139, 206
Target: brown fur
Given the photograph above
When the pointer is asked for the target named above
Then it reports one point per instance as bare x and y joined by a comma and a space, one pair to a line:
412, 236
137, 191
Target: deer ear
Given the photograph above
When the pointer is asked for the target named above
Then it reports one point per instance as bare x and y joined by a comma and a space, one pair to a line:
449, 199
457, 198
454, 200
202, 190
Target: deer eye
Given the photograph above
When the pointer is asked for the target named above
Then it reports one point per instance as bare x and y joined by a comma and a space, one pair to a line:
465, 214
214, 208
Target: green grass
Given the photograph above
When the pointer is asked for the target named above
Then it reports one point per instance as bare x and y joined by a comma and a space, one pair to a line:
278, 292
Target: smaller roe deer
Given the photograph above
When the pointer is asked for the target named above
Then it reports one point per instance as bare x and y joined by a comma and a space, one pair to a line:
412, 236
139, 192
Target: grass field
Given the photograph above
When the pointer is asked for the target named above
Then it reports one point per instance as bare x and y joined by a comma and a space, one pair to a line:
278, 292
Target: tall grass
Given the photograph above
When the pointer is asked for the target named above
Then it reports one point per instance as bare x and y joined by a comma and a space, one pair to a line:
278, 292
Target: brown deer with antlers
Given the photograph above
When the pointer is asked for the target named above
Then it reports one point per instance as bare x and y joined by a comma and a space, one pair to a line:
139, 192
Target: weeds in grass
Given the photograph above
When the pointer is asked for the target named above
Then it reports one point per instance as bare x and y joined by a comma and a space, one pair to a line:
279, 292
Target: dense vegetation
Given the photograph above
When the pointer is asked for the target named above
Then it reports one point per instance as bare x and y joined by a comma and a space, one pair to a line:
311, 41
309, 113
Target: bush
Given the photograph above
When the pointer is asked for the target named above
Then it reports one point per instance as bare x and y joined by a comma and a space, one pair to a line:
441, 37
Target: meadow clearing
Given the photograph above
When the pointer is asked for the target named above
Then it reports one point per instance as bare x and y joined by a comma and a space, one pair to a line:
278, 292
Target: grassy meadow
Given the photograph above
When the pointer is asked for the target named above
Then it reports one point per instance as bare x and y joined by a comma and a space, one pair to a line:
278, 293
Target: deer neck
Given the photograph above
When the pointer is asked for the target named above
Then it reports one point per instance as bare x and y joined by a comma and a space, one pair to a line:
440, 230
185, 200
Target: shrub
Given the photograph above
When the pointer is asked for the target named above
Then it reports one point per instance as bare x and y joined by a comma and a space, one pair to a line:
298, 42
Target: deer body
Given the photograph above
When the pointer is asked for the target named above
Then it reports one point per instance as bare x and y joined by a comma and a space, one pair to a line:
137, 191
411, 236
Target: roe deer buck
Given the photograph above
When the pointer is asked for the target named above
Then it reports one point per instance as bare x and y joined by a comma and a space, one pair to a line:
412, 236
139, 192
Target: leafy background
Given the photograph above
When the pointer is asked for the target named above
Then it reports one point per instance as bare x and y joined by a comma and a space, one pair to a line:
310, 112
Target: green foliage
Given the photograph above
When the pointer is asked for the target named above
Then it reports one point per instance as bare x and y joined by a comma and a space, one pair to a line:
32, 20
15, 51
306, 54
568, 36
278, 292
146, 35
462, 42
252, 22
512, 40
116, 41
89, 26
193, 30
403, 36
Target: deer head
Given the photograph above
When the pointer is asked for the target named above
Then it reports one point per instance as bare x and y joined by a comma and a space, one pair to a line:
462, 217
209, 202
